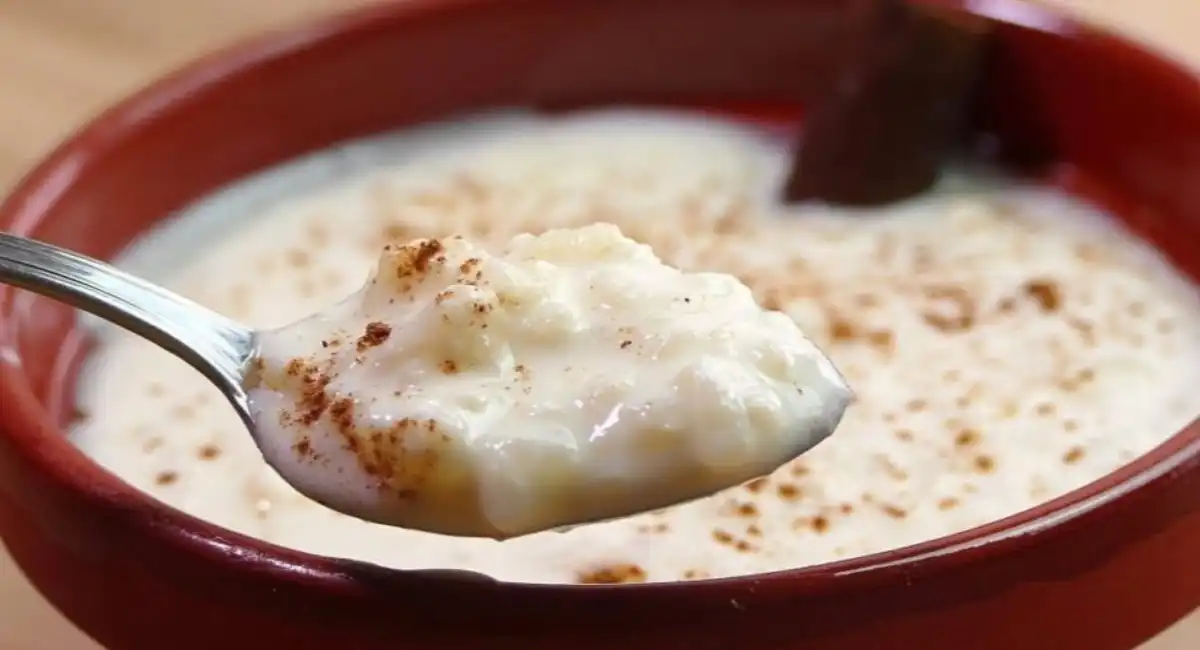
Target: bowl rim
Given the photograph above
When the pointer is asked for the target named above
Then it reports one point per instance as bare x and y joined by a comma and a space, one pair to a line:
47, 448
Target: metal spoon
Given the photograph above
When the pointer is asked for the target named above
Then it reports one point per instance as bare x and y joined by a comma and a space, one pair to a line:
227, 352
217, 346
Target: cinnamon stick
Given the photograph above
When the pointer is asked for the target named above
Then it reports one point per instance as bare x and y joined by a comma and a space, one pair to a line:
898, 109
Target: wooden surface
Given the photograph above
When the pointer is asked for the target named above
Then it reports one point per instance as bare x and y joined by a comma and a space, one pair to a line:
63, 60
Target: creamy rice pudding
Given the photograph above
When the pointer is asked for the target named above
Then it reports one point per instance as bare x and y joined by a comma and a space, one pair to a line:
570, 378
1006, 344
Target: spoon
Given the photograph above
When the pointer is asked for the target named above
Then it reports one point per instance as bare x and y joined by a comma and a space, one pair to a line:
542, 461
218, 347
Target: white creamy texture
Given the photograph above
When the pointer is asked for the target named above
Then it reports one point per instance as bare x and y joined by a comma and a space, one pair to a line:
1005, 344
571, 378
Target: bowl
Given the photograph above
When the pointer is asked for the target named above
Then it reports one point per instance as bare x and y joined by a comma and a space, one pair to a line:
1104, 567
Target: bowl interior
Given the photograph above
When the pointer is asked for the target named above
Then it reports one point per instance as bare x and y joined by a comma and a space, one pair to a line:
1048, 109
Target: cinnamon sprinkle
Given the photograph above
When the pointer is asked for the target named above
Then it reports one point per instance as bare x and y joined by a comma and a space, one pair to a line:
376, 334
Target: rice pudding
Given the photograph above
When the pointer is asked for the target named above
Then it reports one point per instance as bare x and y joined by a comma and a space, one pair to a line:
570, 378
1006, 344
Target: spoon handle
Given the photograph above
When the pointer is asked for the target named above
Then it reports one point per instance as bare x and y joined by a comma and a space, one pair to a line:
213, 344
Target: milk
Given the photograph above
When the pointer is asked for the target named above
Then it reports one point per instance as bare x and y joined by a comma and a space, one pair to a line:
1006, 344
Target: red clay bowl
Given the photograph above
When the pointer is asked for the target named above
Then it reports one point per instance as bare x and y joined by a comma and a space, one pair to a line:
1102, 568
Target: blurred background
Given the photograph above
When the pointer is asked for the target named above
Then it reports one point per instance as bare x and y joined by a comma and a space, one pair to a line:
61, 61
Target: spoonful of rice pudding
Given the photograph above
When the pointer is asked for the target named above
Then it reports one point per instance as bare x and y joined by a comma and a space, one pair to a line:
570, 378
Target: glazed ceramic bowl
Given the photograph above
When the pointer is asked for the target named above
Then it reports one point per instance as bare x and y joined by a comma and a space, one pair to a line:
1102, 568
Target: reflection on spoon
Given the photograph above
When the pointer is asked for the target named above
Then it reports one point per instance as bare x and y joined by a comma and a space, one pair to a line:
573, 378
